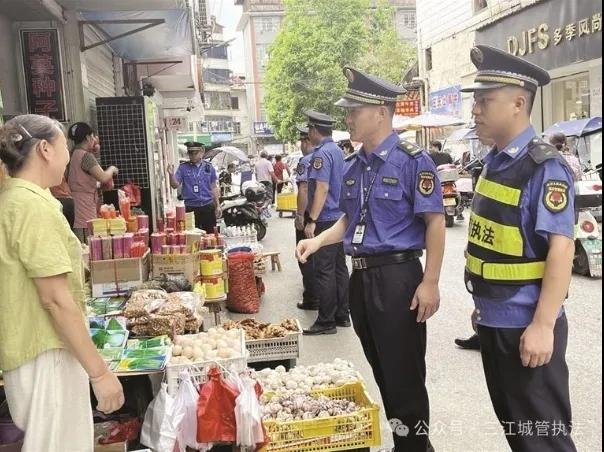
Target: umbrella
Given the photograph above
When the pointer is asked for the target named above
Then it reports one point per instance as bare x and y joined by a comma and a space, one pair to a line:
223, 155
431, 120
577, 127
464, 134
398, 120
340, 135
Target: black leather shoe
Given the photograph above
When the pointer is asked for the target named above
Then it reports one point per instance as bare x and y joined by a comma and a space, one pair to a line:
343, 323
308, 306
472, 343
315, 330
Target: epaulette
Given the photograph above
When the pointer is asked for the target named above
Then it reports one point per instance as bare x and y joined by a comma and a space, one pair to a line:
351, 156
410, 148
540, 151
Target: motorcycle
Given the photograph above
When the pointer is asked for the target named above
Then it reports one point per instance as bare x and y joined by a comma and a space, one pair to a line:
248, 207
588, 241
452, 201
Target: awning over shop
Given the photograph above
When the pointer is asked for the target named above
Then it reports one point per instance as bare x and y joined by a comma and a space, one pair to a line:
169, 39
204, 139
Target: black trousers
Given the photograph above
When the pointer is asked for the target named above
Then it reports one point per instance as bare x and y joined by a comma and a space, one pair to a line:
309, 295
533, 405
68, 210
205, 217
395, 346
331, 277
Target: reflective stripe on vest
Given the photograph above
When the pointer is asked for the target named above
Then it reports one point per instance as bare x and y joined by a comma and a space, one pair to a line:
498, 192
528, 271
496, 237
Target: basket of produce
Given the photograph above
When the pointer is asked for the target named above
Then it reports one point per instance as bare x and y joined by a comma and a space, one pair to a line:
333, 419
270, 342
198, 352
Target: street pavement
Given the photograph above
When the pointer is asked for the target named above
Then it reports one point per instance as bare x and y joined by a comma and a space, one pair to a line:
462, 419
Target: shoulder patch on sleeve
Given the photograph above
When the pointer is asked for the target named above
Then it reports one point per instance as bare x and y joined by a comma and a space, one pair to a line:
317, 163
410, 148
300, 168
425, 183
555, 197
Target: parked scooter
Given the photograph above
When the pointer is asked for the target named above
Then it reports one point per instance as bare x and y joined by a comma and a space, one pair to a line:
448, 175
588, 239
250, 207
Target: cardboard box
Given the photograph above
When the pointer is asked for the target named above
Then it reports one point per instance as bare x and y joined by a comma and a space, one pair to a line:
115, 447
116, 277
170, 264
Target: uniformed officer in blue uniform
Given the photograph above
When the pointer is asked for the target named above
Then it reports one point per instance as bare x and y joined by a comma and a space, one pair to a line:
310, 300
519, 257
200, 189
323, 210
393, 210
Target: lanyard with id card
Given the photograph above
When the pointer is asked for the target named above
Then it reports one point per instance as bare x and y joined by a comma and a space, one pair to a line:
197, 180
359, 230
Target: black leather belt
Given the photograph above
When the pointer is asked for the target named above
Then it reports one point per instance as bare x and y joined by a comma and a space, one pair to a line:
363, 263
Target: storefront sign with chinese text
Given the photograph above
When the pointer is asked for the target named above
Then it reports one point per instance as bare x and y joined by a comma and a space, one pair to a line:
43, 76
447, 101
551, 33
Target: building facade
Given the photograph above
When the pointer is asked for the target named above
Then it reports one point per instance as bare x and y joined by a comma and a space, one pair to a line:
563, 36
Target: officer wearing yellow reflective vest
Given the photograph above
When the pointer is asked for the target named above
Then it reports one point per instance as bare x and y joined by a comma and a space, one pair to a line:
519, 257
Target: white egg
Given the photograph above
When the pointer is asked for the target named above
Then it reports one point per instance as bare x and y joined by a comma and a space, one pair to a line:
187, 352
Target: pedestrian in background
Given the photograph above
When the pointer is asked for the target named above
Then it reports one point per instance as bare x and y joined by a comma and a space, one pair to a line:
558, 140
200, 189
519, 256
322, 212
281, 171
310, 298
84, 175
392, 204
46, 354
438, 156
265, 174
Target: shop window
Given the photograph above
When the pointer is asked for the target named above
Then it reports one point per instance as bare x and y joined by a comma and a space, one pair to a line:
571, 98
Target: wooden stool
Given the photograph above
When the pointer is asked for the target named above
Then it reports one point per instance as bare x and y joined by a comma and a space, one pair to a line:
275, 262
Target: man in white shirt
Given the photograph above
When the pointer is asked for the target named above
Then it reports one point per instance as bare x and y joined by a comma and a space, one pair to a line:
265, 174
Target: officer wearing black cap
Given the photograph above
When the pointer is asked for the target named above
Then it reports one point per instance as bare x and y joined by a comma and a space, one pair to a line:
310, 300
200, 189
519, 257
392, 204
323, 210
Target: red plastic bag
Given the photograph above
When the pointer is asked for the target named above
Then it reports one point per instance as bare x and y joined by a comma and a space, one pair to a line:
133, 192
216, 410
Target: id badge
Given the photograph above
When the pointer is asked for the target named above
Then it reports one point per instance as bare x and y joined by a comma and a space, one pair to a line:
195, 188
359, 234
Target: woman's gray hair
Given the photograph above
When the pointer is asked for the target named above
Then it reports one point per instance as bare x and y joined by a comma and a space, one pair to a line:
20, 135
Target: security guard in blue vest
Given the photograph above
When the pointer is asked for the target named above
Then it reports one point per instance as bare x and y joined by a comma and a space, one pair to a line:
310, 299
393, 210
519, 257
323, 210
200, 189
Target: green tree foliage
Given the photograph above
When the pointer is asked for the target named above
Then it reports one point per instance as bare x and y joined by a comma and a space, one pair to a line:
317, 39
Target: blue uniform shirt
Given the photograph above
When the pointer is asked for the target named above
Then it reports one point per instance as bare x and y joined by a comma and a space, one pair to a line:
302, 168
405, 188
327, 165
197, 183
538, 219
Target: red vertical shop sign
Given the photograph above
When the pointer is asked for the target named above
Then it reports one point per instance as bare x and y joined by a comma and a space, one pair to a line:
43, 76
